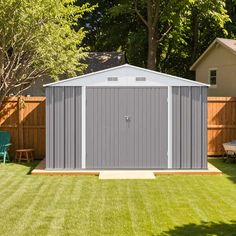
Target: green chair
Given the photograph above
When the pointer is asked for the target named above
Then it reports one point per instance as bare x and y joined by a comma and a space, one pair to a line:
4, 145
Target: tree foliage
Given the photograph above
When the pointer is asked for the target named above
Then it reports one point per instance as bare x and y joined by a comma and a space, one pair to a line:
38, 38
203, 21
183, 30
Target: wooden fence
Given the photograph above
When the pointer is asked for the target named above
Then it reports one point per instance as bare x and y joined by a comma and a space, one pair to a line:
24, 118
221, 123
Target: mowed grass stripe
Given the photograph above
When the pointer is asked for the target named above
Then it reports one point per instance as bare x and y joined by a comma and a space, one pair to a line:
141, 219
14, 193
48, 210
75, 205
74, 212
23, 214
31, 200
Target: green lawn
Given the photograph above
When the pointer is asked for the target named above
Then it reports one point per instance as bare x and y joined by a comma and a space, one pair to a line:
67, 205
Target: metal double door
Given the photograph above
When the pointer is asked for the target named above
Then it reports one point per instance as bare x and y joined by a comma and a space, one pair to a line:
126, 127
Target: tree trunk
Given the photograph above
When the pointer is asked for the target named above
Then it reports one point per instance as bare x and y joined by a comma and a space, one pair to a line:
153, 17
230, 7
195, 36
152, 48
2, 97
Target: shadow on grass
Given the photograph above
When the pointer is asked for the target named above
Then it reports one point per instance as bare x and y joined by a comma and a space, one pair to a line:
228, 168
31, 165
205, 228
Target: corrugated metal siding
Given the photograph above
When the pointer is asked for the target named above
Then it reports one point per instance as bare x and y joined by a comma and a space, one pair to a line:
63, 112
70, 127
176, 125
185, 114
59, 127
196, 120
101, 132
189, 127
78, 126
112, 142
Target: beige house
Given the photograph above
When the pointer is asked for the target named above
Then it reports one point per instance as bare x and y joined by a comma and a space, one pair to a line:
217, 67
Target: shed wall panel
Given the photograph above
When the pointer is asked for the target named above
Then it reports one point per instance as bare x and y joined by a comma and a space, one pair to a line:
189, 127
196, 130
78, 127
70, 127
63, 148
59, 121
185, 114
176, 124
163, 126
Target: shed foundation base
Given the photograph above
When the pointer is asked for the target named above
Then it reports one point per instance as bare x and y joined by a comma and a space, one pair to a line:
40, 170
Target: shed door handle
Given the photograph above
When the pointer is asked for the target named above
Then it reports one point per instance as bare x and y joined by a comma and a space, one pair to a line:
127, 118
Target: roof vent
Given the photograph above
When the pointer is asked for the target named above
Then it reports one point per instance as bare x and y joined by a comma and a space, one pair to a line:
140, 79
112, 78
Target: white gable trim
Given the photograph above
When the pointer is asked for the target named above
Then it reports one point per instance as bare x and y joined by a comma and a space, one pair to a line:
153, 78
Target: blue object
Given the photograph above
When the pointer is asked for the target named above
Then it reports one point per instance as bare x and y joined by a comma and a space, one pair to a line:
4, 145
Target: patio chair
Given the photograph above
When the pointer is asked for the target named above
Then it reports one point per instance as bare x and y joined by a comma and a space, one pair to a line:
4, 145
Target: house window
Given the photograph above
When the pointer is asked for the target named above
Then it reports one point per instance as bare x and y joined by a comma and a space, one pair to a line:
213, 77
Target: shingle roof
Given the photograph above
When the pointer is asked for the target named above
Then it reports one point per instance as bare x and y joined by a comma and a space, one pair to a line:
227, 43
231, 43
103, 60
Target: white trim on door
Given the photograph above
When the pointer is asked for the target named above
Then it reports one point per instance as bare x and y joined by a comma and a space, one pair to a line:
169, 153
83, 154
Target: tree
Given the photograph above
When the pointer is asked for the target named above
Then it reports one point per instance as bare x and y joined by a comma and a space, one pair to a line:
202, 22
184, 29
38, 38
106, 32
153, 31
158, 16
231, 9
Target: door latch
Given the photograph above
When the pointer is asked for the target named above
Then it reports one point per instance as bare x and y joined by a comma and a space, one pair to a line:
127, 118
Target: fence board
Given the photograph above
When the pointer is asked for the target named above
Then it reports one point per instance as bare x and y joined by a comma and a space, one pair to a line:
24, 118
221, 123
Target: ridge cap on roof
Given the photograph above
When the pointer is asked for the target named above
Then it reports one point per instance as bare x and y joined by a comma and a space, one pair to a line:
225, 38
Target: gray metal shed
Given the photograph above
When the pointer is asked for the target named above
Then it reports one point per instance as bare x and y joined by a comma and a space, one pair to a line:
126, 117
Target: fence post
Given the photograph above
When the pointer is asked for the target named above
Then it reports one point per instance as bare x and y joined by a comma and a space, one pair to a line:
20, 122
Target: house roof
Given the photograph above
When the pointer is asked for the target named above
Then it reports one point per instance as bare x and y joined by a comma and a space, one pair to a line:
103, 60
126, 75
229, 44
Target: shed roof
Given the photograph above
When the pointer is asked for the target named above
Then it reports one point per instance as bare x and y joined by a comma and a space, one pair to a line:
126, 73
229, 44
